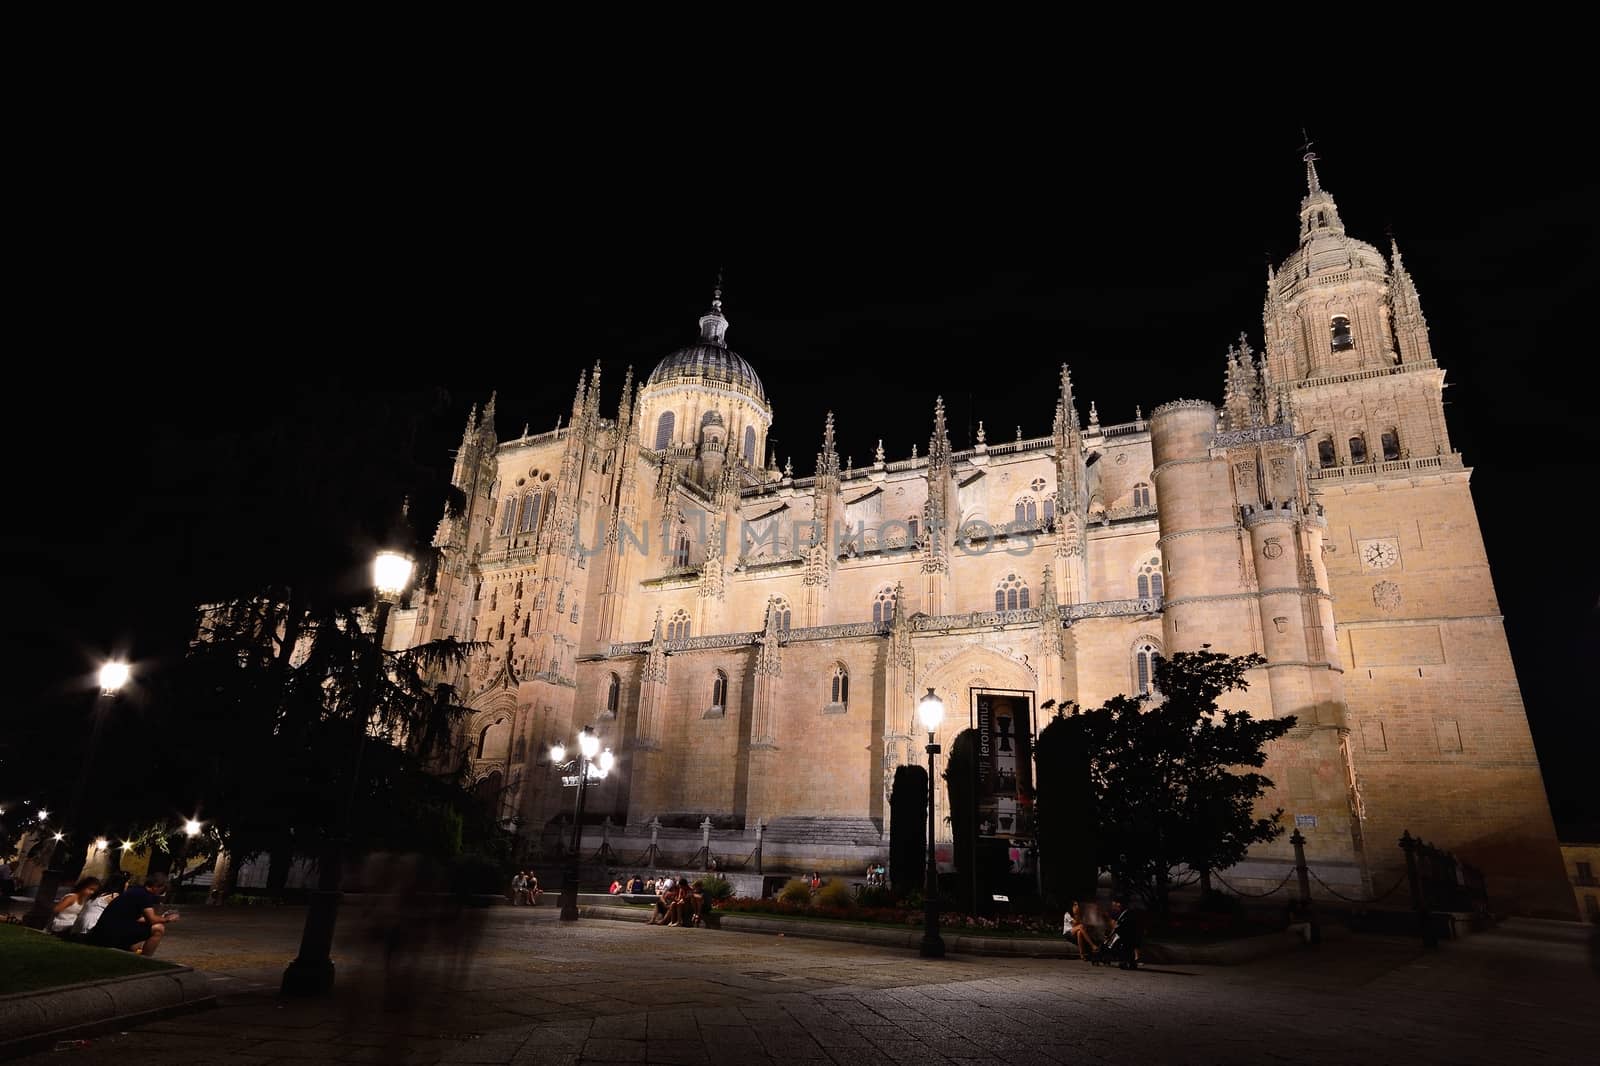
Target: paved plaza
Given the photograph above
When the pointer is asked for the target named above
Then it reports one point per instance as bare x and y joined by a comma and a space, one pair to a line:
523, 988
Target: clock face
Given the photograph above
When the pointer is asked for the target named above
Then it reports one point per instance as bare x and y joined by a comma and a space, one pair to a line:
1379, 554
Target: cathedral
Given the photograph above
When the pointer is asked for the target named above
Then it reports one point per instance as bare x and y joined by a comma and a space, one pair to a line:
751, 643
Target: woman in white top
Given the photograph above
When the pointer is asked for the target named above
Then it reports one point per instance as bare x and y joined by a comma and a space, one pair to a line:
67, 909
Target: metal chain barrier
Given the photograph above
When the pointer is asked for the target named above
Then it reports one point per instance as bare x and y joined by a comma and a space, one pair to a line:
1256, 895
1351, 899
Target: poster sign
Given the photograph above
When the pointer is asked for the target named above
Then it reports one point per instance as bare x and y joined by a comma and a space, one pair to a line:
1305, 821
1004, 721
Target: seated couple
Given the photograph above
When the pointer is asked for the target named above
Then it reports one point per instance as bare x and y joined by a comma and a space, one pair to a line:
679, 903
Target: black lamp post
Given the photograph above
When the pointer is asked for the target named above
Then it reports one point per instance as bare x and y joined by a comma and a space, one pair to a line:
930, 710
311, 973
584, 763
113, 676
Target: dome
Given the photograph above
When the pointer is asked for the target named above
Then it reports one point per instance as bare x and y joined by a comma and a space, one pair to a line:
710, 359
709, 362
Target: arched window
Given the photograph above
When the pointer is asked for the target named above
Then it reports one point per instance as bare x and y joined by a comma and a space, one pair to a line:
664, 430
678, 626
1050, 511
1027, 512
840, 691
1141, 495
613, 695
1325, 456
495, 740
782, 614
532, 504
680, 551
719, 689
1144, 665
508, 516
500, 630
1011, 594
1358, 449
494, 598
1391, 446
526, 619
1342, 340
1149, 578
913, 524
883, 605
750, 445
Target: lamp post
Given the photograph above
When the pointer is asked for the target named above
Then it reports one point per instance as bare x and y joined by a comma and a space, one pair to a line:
311, 973
584, 763
930, 710
113, 676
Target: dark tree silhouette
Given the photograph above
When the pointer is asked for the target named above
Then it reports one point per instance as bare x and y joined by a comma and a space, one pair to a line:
1172, 774
908, 829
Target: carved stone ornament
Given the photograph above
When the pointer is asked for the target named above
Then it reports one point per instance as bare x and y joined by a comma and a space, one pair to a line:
1386, 595
1272, 549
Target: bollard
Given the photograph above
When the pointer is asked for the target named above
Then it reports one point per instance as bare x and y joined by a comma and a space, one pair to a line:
705, 843
1303, 874
759, 830
655, 836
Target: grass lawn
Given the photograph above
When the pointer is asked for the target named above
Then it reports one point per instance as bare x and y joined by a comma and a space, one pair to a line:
30, 960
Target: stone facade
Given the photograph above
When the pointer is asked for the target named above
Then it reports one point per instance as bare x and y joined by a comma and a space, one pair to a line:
751, 643
1583, 867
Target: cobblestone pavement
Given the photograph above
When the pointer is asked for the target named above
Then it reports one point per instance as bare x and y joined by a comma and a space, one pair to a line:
522, 988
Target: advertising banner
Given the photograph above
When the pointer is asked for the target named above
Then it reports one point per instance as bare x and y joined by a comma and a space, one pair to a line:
1004, 721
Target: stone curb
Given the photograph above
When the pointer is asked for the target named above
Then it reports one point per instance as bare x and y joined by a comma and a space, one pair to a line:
30, 1021
1223, 954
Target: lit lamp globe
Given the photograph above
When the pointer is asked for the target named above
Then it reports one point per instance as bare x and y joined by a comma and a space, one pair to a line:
191, 828
607, 761
930, 711
112, 677
588, 743
558, 752
391, 573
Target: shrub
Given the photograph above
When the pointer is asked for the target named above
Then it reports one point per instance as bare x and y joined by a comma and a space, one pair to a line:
836, 894
876, 896
796, 891
715, 888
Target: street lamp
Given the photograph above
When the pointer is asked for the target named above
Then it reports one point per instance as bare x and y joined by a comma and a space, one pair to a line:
113, 675
311, 973
584, 763
930, 710
191, 829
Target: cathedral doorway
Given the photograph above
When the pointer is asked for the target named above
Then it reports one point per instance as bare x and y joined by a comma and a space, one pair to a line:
953, 674
488, 792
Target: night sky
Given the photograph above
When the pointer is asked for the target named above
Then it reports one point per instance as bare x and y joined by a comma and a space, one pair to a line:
198, 318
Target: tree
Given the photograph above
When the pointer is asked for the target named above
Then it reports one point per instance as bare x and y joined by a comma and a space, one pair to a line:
1172, 774
908, 829
960, 782
1067, 818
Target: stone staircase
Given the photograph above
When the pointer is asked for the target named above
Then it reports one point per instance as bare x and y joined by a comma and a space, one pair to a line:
827, 832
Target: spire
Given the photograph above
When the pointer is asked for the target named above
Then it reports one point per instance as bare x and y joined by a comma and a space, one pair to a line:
828, 457
578, 397
939, 442
1066, 403
1318, 212
714, 324
1310, 157
625, 408
486, 423
472, 426
1094, 418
